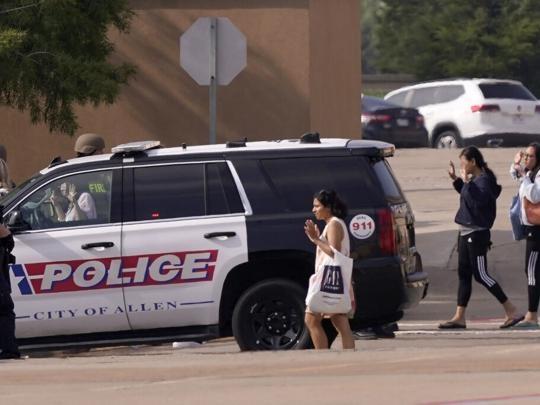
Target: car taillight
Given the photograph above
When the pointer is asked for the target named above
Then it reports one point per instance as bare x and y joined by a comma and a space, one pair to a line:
366, 118
537, 109
485, 108
420, 119
387, 237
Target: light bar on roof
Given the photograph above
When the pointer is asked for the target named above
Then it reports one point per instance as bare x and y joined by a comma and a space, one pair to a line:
140, 146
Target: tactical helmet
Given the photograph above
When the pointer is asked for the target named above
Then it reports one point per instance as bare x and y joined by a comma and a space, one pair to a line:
88, 144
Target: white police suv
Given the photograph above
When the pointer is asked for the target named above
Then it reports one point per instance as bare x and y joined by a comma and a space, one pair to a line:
152, 243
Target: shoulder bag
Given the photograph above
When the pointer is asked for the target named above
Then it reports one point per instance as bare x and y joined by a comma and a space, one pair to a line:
330, 286
532, 211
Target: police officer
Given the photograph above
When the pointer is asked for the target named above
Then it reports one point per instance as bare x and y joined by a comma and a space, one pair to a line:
93, 144
89, 144
8, 344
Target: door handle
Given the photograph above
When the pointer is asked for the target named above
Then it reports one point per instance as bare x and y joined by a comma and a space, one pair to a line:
221, 235
97, 245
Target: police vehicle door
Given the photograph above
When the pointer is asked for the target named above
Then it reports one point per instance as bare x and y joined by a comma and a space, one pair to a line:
187, 230
66, 279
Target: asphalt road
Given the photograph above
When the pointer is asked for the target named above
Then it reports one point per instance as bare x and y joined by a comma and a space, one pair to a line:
422, 365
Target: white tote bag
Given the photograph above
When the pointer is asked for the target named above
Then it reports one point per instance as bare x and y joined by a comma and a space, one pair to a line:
330, 286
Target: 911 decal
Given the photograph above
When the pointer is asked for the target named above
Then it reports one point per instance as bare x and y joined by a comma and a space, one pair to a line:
362, 226
128, 271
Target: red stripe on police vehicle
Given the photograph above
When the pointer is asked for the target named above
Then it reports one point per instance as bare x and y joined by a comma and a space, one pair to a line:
128, 271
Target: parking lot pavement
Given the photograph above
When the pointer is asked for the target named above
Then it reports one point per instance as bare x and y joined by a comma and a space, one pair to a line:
422, 365
407, 336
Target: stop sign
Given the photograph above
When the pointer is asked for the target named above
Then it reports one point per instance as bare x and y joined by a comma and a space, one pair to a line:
196, 51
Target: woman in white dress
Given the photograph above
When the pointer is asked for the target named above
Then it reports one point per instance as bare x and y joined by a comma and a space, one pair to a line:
329, 208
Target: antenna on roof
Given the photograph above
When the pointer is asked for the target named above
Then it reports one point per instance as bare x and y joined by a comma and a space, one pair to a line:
310, 137
57, 161
236, 144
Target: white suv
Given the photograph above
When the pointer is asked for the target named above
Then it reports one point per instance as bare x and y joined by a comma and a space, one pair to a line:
482, 112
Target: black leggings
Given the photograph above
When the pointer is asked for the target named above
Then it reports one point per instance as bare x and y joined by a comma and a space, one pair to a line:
7, 324
472, 261
532, 270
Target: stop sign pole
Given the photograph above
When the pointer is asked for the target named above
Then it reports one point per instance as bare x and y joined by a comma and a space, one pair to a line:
213, 80
213, 51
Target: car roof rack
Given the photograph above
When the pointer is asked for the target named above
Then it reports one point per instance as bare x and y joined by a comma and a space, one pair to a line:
134, 148
310, 137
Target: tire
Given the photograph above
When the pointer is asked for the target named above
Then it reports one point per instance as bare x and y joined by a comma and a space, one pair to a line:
447, 140
270, 316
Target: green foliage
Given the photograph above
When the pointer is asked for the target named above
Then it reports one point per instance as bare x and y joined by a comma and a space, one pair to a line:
55, 54
369, 46
435, 39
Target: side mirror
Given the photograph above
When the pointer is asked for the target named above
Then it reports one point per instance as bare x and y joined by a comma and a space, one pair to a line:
15, 222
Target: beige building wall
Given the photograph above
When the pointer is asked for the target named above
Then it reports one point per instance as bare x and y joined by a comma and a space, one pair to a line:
303, 73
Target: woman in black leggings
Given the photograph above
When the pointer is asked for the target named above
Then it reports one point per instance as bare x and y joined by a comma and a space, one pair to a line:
478, 191
530, 189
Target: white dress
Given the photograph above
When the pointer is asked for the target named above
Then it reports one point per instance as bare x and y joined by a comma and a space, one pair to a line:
345, 242
345, 250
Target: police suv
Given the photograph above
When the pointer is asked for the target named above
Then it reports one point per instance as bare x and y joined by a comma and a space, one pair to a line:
154, 244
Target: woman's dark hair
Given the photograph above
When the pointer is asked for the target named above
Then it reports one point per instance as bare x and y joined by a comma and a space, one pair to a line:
330, 199
532, 174
472, 152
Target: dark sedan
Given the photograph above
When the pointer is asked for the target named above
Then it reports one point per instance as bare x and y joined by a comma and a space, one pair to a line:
384, 121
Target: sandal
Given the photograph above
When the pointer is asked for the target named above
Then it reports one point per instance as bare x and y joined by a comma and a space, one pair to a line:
511, 322
527, 325
452, 325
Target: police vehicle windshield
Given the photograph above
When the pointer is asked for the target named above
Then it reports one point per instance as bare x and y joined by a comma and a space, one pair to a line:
21, 188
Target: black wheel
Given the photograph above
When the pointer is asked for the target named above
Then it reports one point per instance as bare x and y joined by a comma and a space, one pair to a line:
447, 140
270, 316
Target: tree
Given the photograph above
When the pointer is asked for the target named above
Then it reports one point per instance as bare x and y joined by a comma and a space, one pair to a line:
475, 38
369, 48
55, 54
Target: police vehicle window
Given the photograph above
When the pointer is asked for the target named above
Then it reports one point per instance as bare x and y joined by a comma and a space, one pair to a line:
169, 191
221, 193
21, 188
297, 180
388, 183
261, 196
80, 199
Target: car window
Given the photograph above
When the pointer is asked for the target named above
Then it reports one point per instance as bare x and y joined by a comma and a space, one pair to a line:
79, 199
398, 98
171, 191
13, 195
423, 96
186, 190
506, 90
444, 94
373, 103
221, 194
297, 180
388, 182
